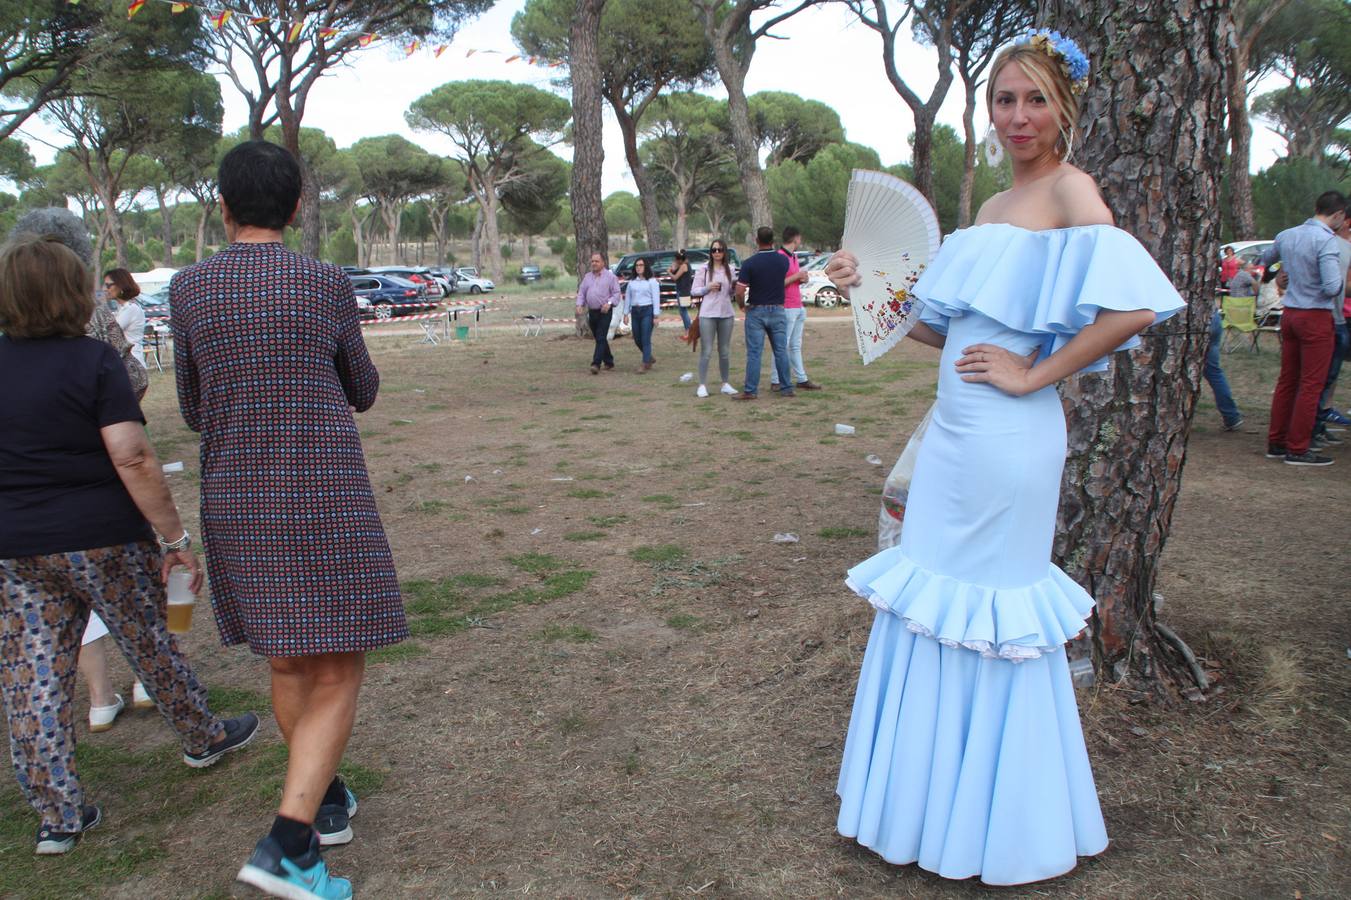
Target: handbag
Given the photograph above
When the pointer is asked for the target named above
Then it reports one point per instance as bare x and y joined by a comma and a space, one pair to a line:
691, 335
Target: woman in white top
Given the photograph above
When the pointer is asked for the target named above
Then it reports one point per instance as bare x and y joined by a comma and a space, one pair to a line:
642, 304
715, 283
120, 286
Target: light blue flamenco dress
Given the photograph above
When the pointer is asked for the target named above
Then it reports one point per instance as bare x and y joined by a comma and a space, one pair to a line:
964, 751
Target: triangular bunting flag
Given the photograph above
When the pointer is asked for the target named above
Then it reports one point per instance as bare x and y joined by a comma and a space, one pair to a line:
259, 20
412, 48
512, 58
180, 8
439, 50
134, 7
366, 40
293, 33
220, 18
327, 32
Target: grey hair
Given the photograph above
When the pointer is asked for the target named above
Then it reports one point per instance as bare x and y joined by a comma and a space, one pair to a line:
61, 224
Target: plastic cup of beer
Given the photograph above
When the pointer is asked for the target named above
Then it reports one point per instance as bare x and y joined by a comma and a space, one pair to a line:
181, 600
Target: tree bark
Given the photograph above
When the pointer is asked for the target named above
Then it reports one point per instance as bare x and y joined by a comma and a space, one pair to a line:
647, 198
588, 212
968, 158
166, 229
1241, 214
744, 144
1154, 143
202, 218
477, 251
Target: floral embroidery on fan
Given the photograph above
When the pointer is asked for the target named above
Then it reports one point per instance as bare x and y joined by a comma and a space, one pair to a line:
893, 310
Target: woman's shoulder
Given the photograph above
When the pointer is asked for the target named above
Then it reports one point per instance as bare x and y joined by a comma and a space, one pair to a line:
1078, 199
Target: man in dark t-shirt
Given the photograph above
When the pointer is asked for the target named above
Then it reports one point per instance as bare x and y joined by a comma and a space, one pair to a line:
760, 286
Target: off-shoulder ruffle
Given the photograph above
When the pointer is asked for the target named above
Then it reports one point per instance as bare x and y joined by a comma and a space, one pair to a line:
1051, 282
1001, 623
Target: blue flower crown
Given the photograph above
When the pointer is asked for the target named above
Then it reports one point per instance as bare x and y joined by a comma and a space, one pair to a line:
1054, 44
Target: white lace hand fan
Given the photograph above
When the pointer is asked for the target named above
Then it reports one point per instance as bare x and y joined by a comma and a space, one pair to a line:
893, 231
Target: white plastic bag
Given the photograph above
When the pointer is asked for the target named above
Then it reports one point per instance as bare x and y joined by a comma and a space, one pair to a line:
896, 489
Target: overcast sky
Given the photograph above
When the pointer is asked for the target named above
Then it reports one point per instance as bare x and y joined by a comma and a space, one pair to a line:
824, 56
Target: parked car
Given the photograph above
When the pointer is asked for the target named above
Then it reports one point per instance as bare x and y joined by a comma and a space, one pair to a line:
436, 289
472, 284
390, 295
661, 262
818, 290
529, 274
156, 306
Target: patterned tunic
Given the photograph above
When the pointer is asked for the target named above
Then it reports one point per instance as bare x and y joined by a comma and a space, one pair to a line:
268, 357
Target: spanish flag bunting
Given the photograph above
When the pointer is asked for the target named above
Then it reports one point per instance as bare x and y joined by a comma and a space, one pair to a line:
327, 32
259, 20
180, 8
439, 50
512, 58
366, 40
555, 64
412, 48
293, 33
220, 18
135, 7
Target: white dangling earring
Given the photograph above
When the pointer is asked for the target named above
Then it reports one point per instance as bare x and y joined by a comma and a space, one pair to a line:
994, 150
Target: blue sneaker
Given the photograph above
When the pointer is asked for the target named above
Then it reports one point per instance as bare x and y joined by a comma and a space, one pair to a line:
1334, 417
306, 878
334, 821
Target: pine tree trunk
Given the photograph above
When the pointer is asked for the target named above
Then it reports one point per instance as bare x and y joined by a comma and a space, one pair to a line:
647, 197
1155, 145
491, 236
477, 250
201, 231
1241, 215
588, 154
166, 230
921, 161
733, 73
969, 158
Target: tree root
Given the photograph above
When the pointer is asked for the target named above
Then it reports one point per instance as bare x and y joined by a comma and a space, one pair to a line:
1198, 673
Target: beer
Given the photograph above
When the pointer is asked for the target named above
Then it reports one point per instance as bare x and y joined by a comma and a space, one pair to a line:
181, 600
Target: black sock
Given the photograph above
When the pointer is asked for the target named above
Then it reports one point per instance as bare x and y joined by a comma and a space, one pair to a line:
294, 837
336, 795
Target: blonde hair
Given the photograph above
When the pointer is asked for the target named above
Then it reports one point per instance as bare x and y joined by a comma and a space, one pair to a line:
1049, 75
44, 289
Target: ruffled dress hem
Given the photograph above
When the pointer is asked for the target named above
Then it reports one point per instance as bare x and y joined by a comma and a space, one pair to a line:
1014, 624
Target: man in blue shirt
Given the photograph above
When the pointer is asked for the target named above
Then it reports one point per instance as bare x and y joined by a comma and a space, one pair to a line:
762, 278
1309, 253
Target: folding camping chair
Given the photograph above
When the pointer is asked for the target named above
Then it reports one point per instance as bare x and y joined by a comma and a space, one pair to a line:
1238, 318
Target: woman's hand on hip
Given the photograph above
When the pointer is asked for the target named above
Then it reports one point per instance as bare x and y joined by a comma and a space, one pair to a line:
994, 365
188, 560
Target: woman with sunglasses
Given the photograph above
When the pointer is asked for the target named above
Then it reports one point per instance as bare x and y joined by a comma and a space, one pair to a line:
715, 282
119, 286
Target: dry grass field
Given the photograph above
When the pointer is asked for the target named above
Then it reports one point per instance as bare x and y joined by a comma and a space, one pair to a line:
619, 686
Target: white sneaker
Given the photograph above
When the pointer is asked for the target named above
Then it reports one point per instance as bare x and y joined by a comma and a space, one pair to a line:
139, 698
701, 392
728, 389
101, 717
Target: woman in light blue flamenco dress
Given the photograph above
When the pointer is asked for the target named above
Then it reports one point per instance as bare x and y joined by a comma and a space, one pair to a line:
965, 752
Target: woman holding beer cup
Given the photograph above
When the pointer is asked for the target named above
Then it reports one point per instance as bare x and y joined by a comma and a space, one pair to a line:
86, 524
